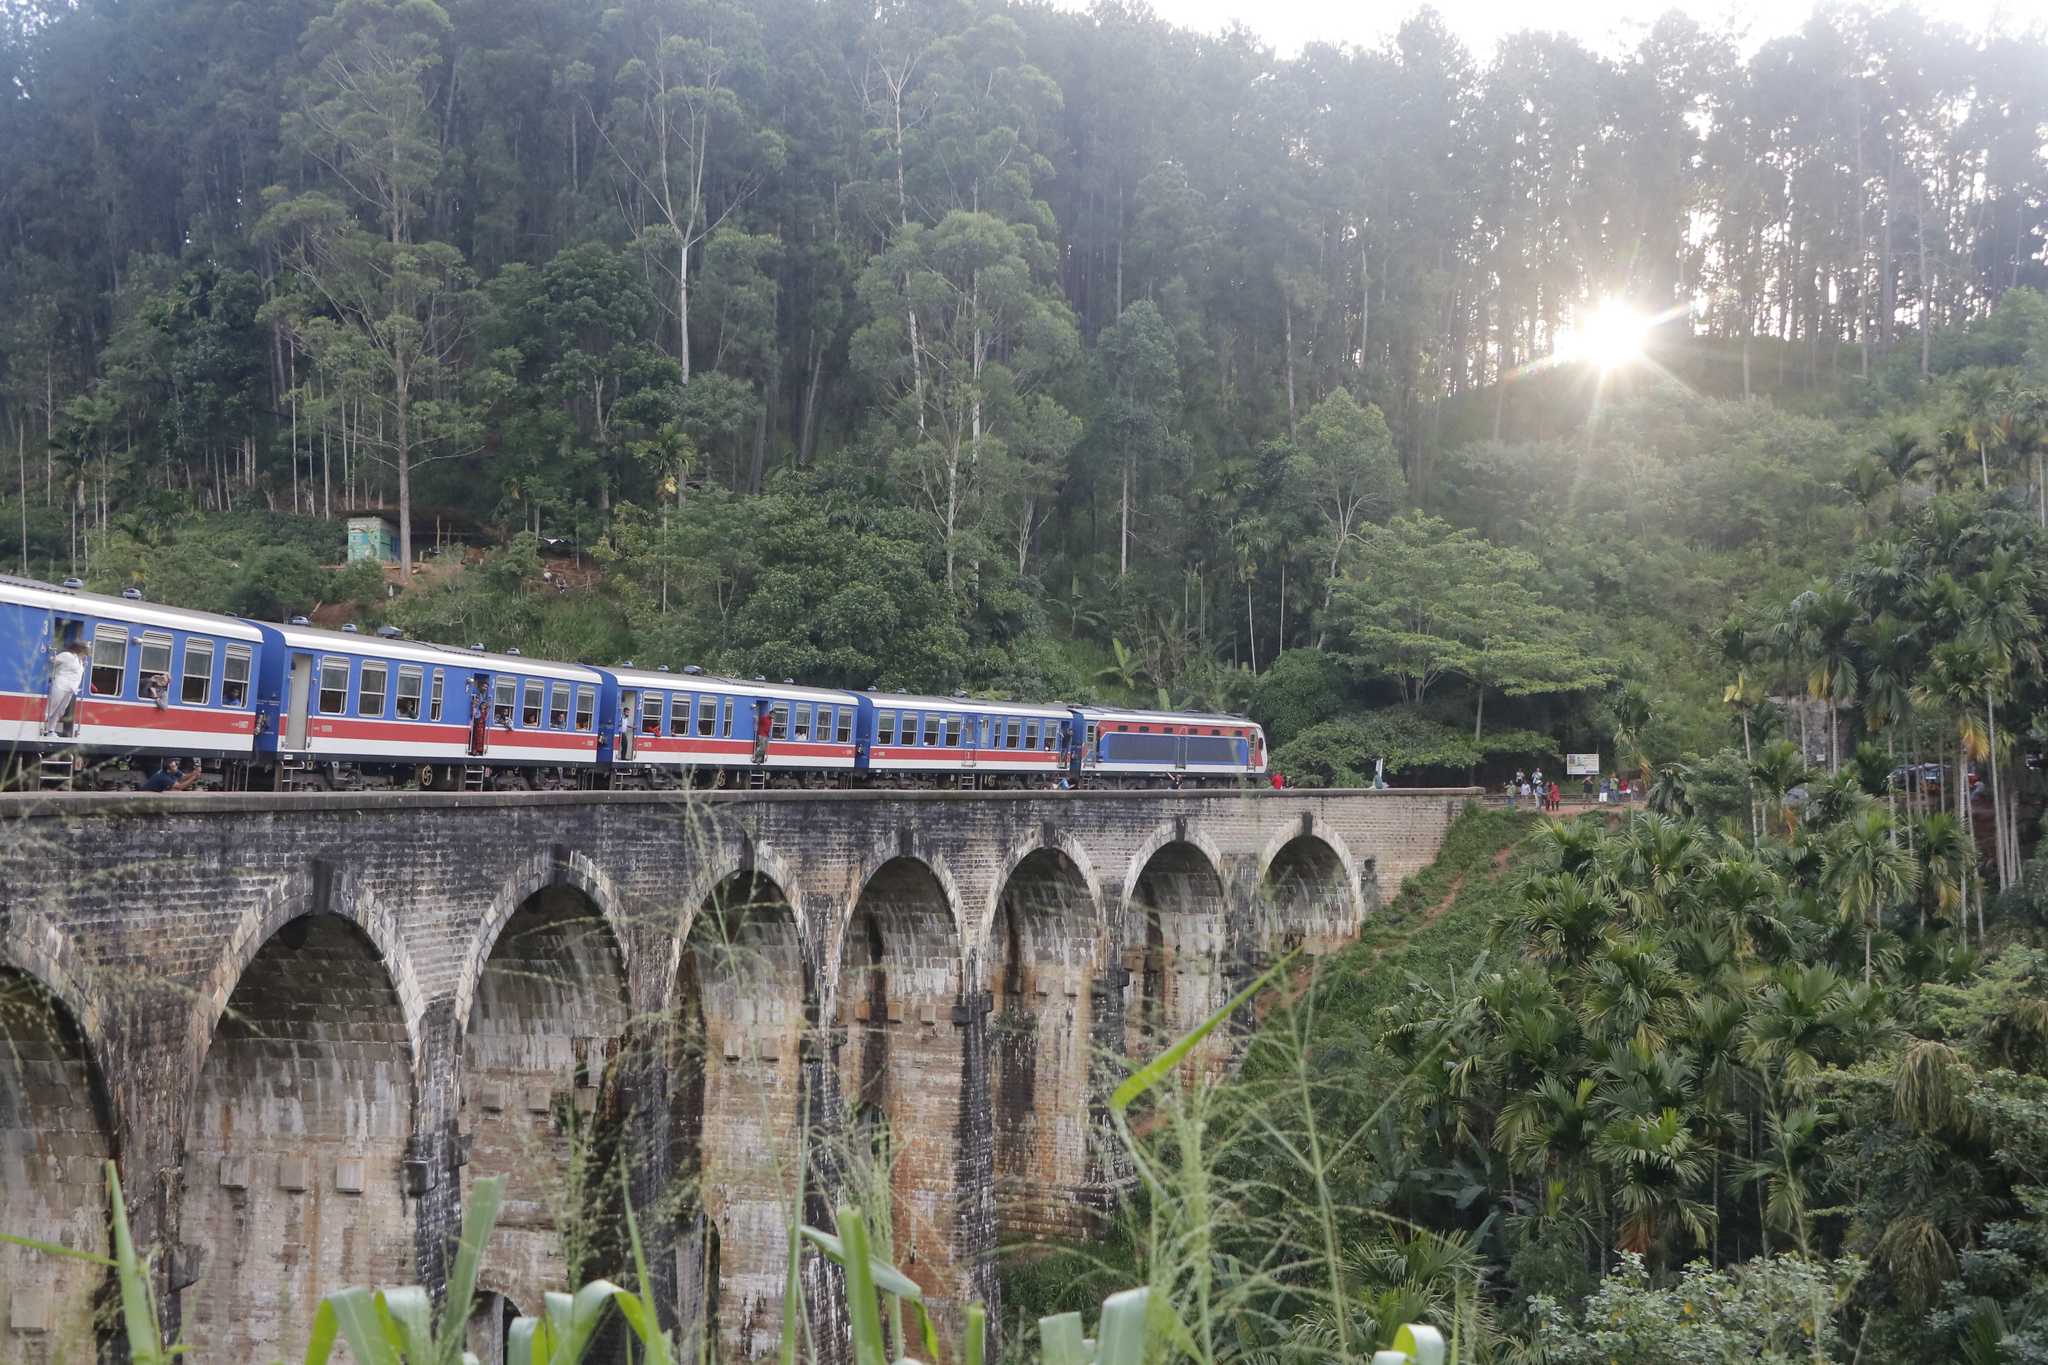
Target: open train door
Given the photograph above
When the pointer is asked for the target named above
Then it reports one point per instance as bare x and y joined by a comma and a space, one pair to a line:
629, 723
298, 701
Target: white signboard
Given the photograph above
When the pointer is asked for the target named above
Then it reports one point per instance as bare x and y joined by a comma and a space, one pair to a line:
1582, 765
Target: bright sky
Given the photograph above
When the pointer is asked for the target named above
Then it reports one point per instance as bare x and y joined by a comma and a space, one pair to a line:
1607, 26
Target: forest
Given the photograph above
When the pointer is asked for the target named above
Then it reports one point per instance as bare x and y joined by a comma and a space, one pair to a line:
1025, 350
1064, 352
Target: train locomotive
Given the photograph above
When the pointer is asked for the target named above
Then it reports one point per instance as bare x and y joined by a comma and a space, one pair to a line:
290, 706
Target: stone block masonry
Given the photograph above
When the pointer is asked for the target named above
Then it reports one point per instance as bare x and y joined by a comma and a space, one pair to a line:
304, 1025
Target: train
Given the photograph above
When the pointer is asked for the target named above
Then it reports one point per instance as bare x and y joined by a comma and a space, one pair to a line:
291, 706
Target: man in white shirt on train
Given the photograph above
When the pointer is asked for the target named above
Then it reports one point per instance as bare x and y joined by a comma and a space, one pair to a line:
67, 676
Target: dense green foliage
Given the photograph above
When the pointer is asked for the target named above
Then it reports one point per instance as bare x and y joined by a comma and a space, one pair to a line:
1100, 329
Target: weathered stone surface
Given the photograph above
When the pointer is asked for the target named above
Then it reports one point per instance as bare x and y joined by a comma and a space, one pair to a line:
305, 1024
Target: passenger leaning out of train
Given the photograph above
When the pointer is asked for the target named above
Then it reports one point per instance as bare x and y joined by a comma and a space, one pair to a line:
67, 678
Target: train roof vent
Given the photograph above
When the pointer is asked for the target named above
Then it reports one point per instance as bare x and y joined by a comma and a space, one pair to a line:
627, 664
299, 621
72, 583
351, 629
759, 678
132, 594
390, 633
693, 670
661, 668
478, 646
512, 650
789, 682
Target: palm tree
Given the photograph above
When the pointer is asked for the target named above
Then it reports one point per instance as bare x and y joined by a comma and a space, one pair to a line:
1944, 860
1867, 482
1779, 767
1956, 677
1981, 400
2006, 627
1901, 451
1783, 1169
1822, 623
1793, 1031
1864, 868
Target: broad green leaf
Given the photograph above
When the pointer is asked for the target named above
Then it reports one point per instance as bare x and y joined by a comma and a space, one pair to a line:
1121, 1337
320, 1346
887, 1277
863, 1311
363, 1326
521, 1341
138, 1304
1422, 1344
975, 1347
479, 1216
409, 1322
1060, 1340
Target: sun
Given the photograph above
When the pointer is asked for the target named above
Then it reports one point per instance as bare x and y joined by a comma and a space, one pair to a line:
1611, 336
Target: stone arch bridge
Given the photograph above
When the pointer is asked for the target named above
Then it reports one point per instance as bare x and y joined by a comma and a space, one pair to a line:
304, 1024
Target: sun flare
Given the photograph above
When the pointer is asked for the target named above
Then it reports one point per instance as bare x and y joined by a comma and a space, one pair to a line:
1611, 336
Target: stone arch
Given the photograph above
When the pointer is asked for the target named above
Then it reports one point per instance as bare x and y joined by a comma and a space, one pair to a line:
539, 1099
1175, 942
1308, 893
321, 891
738, 1012
553, 867
750, 857
1045, 841
56, 1134
1042, 954
295, 1173
909, 1052
882, 858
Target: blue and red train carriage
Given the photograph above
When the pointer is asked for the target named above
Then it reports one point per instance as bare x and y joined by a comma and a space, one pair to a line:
272, 706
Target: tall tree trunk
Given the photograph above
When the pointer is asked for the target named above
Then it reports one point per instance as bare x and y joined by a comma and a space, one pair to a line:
1287, 339
1123, 535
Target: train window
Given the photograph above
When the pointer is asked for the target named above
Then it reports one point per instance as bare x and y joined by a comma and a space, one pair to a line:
503, 692
952, 732
707, 716
434, 697
197, 687
931, 730
885, 727
778, 720
1030, 734
845, 727
586, 707
650, 713
370, 695
529, 704
725, 724
803, 722
109, 660
333, 687
409, 680
156, 663
234, 677
1015, 735
558, 706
